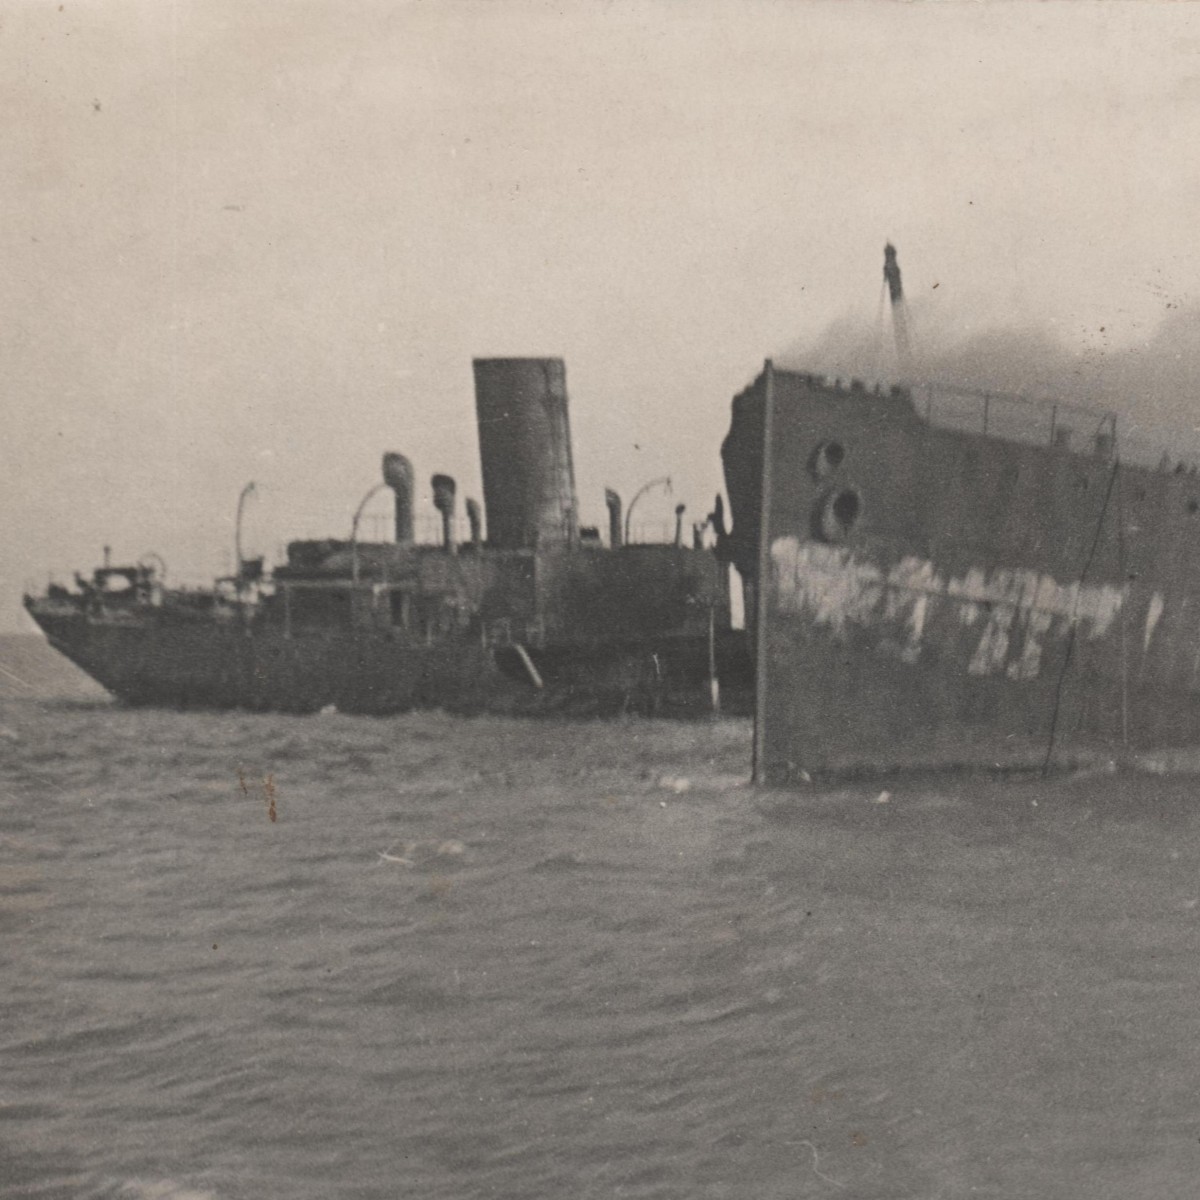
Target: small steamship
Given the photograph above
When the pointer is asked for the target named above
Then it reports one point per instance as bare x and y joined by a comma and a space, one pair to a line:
539, 616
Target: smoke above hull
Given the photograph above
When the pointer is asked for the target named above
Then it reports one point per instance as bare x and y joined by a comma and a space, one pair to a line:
1153, 385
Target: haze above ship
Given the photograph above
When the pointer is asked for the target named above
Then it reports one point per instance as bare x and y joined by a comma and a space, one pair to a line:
1153, 383
240, 237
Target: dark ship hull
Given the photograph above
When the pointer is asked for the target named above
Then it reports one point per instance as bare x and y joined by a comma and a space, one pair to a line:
205, 665
945, 578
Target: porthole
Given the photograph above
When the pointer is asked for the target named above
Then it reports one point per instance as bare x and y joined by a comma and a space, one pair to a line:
825, 459
837, 514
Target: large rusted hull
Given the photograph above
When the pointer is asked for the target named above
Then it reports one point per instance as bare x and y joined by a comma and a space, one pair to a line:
930, 596
149, 658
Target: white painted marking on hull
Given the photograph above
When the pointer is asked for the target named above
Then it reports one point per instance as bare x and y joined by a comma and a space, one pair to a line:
834, 589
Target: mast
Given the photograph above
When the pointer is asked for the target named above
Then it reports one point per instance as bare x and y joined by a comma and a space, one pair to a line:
891, 275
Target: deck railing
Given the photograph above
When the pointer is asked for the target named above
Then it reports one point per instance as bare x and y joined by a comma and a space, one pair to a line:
1065, 424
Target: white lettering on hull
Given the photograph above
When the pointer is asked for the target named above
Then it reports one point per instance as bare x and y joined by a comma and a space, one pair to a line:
833, 589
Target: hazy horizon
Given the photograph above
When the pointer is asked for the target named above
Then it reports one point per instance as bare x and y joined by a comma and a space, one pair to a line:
265, 243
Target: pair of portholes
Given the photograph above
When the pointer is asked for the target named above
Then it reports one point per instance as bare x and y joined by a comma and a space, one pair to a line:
839, 508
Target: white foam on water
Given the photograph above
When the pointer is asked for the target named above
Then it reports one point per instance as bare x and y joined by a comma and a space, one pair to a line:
164, 1189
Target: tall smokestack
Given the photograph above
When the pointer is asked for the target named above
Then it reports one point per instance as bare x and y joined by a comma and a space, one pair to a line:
398, 475
614, 518
525, 452
444, 489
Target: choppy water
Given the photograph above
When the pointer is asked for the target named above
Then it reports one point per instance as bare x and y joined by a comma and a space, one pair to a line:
510, 959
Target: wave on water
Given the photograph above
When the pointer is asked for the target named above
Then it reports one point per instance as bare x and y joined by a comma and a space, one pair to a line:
253, 956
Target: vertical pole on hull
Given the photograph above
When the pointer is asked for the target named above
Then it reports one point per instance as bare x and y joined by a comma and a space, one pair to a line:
714, 686
1124, 591
758, 765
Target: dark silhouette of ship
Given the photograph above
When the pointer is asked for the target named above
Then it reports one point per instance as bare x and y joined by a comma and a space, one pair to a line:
536, 615
931, 576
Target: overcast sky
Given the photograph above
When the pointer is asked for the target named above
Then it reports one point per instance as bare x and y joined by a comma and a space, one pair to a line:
264, 241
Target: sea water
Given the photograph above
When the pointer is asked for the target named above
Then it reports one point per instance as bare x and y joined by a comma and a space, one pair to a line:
248, 957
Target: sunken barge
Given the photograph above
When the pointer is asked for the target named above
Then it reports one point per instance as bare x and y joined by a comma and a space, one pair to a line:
938, 577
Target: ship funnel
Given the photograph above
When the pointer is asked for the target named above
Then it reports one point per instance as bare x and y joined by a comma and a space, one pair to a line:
475, 520
614, 518
525, 452
680, 509
398, 475
444, 489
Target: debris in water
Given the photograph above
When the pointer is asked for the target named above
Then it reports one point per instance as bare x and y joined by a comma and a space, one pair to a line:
403, 858
451, 848
386, 857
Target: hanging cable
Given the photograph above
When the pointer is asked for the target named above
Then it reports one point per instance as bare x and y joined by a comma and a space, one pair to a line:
879, 365
1087, 566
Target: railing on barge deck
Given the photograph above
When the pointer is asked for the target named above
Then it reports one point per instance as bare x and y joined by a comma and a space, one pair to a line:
1070, 425
1062, 423
1066, 424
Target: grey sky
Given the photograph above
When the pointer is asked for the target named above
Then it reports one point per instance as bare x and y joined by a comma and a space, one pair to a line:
264, 241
